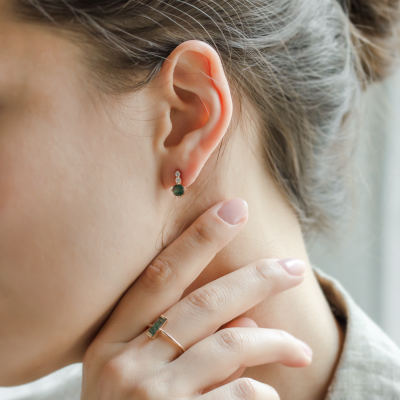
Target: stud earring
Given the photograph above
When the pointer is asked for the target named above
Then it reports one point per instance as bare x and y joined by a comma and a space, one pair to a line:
178, 190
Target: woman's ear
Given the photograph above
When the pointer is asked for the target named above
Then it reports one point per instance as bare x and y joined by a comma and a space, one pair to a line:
197, 106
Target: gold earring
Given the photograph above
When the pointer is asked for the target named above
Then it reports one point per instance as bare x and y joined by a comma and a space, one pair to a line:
178, 190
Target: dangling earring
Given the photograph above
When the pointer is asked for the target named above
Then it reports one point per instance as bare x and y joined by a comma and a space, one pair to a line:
178, 190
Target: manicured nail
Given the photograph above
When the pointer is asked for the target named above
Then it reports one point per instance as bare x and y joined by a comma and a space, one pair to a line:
293, 266
233, 211
306, 348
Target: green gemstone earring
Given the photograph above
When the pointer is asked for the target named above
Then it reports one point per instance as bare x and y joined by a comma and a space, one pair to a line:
178, 190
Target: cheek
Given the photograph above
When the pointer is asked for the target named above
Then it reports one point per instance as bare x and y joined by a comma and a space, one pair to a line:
70, 213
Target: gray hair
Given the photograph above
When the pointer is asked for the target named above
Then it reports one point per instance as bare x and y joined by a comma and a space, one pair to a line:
301, 64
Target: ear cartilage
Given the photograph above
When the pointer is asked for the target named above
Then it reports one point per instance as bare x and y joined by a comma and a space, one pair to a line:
178, 190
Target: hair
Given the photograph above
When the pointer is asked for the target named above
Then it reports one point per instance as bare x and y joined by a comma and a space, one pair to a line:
302, 64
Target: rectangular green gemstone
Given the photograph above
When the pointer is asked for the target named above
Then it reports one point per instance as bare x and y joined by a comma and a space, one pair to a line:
153, 330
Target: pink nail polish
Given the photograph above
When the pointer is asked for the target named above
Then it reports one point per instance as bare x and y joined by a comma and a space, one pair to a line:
233, 211
293, 266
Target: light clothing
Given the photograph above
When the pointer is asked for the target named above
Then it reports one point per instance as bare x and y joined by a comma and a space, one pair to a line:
369, 366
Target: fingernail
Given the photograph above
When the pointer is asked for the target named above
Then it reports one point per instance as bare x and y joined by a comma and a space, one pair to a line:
307, 349
233, 211
293, 266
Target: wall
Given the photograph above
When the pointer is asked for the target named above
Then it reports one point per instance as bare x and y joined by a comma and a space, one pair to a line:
366, 256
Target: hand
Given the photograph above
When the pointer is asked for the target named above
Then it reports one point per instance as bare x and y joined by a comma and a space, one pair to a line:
124, 363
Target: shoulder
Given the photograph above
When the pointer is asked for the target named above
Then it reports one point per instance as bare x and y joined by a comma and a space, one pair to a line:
369, 366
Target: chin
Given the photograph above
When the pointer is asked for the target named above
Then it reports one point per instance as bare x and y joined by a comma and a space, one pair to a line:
14, 373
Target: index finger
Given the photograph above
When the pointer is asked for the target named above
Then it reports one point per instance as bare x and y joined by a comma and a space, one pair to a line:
162, 283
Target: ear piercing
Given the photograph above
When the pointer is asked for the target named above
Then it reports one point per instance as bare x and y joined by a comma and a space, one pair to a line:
178, 190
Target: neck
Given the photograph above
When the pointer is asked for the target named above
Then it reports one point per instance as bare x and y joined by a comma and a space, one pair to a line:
272, 231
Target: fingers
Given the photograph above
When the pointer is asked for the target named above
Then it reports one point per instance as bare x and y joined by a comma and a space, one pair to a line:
171, 272
242, 389
200, 313
217, 357
242, 322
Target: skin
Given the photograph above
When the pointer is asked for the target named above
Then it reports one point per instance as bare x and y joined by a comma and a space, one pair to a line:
85, 183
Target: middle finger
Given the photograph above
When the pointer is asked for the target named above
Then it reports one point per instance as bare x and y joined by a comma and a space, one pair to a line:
203, 311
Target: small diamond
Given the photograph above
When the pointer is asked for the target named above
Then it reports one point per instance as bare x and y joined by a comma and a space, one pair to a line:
178, 180
177, 173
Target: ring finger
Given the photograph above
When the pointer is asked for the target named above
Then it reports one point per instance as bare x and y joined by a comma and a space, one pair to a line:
217, 357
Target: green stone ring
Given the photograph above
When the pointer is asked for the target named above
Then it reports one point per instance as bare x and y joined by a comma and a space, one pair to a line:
178, 190
156, 327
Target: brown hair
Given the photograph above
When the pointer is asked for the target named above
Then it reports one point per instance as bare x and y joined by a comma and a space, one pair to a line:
375, 28
301, 63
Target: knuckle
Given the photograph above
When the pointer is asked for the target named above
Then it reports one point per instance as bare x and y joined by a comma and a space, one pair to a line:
284, 336
158, 275
231, 339
288, 344
267, 271
271, 393
118, 373
147, 391
244, 389
250, 389
206, 299
202, 233
113, 371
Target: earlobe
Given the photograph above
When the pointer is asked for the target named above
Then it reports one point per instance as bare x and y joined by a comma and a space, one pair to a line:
199, 108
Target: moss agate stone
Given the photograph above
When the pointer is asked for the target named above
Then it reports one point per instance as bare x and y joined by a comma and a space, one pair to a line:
178, 190
154, 329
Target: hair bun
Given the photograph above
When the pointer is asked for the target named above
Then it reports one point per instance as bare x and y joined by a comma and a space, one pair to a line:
376, 35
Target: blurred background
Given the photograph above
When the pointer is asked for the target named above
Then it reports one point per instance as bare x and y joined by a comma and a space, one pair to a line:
365, 257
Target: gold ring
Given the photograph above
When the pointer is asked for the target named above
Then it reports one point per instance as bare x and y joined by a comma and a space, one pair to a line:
156, 327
